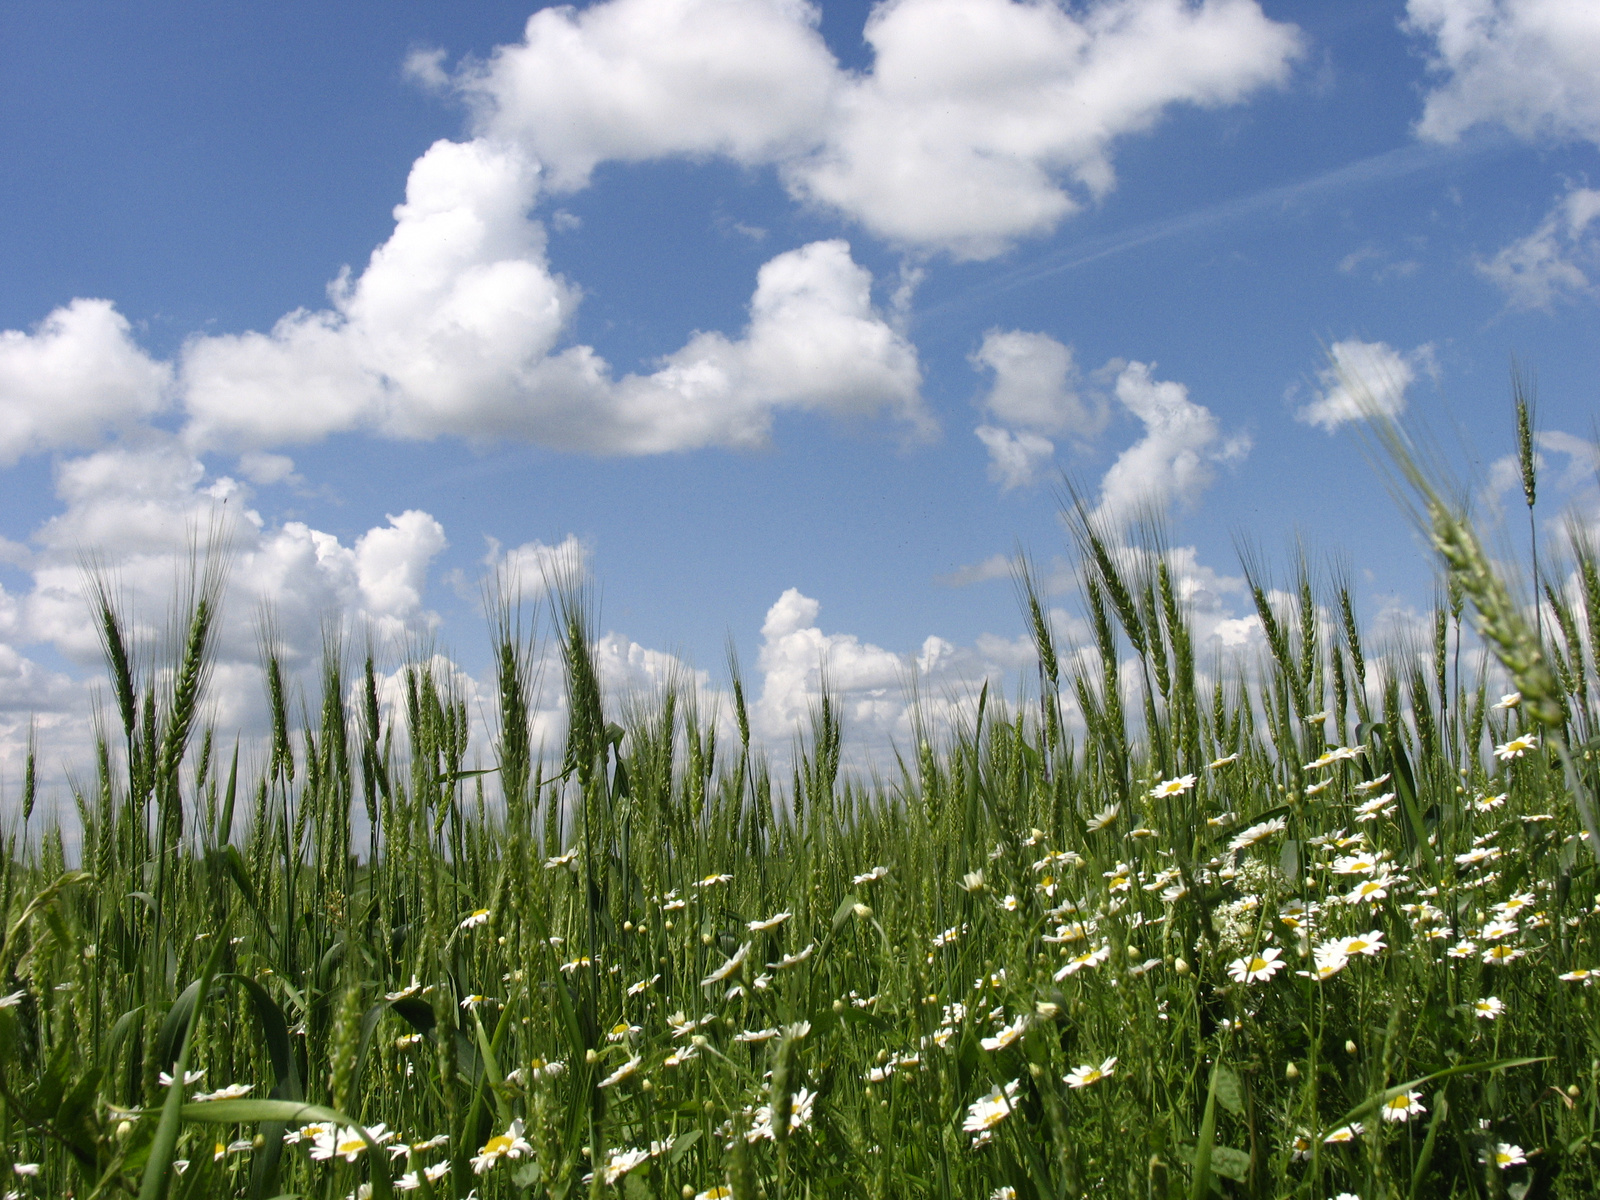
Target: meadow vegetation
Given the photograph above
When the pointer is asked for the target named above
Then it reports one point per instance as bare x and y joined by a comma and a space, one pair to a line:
1319, 924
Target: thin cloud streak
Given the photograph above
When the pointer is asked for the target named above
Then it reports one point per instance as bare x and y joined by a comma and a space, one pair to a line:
1399, 163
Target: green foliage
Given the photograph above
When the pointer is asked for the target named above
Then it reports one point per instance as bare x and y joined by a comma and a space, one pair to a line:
1161, 930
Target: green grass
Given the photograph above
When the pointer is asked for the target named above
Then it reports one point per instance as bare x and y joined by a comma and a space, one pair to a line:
649, 953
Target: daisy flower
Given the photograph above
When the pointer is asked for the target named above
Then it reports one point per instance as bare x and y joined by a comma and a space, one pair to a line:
1402, 1107
729, 967
1336, 754
346, 1142
623, 1072
1499, 956
1087, 1074
1509, 700
1370, 891
1103, 818
405, 993
1355, 864
510, 1144
1345, 1133
1007, 1034
1582, 975
871, 876
1505, 1155
771, 922
1089, 958
984, 1113
623, 1161
1489, 1008
1258, 832
1517, 747
412, 1180
232, 1092
793, 960
1258, 968
476, 918
1369, 943
1172, 787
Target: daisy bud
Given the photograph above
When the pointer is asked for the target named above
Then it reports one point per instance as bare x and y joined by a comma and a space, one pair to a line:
1180, 966
1349, 1047
1572, 1090
1291, 1072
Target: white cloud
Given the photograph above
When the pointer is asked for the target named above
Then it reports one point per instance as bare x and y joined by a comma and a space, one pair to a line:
974, 121
978, 115
868, 681
1566, 466
1035, 392
815, 343
632, 80
1176, 458
996, 566
534, 568
1547, 265
453, 329
1526, 64
1036, 385
266, 469
1363, 377
78, 373
1015, 459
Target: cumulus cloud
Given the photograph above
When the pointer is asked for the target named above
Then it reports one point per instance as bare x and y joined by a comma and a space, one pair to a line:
979, 115
78, 373
1036, 385
1176, 458
979, 122
996, 566
1015, 459
1035, 393
453, 329
146, 511
632, 80
1525, 64
1548, 265
1363, 377
869, 681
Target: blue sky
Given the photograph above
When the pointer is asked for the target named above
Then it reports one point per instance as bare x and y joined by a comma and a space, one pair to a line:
787, 319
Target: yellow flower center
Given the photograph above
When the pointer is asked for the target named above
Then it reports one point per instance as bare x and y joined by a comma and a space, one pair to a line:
497, 1145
